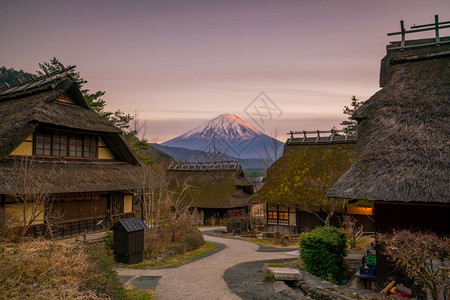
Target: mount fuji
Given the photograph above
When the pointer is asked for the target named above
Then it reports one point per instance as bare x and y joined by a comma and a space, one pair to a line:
228, 135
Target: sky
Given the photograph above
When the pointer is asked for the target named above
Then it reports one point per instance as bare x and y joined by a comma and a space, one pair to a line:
178, 64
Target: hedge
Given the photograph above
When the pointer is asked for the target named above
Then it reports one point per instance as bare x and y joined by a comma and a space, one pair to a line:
323, 251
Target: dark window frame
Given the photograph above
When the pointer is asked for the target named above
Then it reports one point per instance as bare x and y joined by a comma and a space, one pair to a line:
44, 144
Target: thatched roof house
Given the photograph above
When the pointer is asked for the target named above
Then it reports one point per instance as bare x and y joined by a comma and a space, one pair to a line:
298, 181
215, 188
50, 139
404, 131
403, 150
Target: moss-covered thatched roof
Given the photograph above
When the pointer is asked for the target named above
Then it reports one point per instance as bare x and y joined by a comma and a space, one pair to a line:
213, 188
305, 172
403, 150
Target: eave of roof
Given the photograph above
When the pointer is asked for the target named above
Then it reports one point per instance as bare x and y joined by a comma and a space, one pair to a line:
21, 174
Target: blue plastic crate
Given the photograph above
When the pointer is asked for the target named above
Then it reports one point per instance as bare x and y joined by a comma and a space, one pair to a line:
371, 271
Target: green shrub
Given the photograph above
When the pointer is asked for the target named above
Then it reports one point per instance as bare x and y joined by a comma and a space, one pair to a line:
108, 239
322, 251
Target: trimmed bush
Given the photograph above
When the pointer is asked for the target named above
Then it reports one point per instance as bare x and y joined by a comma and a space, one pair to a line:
188, 242
322, 251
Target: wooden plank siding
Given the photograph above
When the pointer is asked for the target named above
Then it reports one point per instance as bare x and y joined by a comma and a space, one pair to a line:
425, 217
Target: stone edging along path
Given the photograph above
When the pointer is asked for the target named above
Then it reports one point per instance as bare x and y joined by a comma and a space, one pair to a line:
203, 278
233, 270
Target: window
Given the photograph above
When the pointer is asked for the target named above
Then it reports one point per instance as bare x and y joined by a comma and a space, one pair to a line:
272, 215
283, 217
239, 189
59, 143
90, 146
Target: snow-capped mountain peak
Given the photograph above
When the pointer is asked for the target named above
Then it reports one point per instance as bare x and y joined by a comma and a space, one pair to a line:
224, 126
226, 133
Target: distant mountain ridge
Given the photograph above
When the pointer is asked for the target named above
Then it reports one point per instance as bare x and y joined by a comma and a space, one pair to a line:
228, 135
187, 155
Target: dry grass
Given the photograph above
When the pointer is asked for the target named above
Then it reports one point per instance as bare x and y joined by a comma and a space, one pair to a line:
273, 243
362, 244
157, 243
177, 260
53, 270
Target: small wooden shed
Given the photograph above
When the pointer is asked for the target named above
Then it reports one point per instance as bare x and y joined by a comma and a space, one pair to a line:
129, 240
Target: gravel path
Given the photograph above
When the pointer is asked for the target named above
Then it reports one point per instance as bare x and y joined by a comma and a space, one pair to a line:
246, 281
203, 279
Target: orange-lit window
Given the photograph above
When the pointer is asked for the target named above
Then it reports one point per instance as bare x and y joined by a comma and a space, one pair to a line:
284, 216
272, 215
360, 210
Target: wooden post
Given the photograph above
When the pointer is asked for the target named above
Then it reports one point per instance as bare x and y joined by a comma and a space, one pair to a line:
267, 214
2, 210
402, 29
289, 219
278, 215
436, 28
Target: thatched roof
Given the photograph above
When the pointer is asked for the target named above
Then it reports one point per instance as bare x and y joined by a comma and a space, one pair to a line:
65, 176
213, 188
403, 145
22, 111
27, 106
305, 172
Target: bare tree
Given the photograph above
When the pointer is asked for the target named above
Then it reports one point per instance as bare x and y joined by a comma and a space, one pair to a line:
272, 150
424, 257
353, 232
179, 201
163, 204
153, 193
32, 192
138, 126
212, 152
318, 187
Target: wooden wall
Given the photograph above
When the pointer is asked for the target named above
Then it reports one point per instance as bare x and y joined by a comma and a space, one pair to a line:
389, 216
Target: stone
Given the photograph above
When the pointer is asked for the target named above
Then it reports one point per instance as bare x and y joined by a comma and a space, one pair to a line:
288, 293
288, 274
280, 286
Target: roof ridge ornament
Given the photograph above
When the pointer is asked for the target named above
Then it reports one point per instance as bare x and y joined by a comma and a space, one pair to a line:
321, 137
35, 81
420, 28
204, 165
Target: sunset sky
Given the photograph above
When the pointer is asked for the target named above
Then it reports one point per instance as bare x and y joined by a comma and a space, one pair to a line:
180, 63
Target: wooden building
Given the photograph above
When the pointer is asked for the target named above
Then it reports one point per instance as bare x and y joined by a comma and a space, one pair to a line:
53, 144
215, 188
403, 150
296, 184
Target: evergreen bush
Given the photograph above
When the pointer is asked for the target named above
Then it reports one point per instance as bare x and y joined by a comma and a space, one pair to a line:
322, 251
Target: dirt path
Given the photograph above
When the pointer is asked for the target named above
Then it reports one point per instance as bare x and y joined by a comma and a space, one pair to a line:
203, 279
